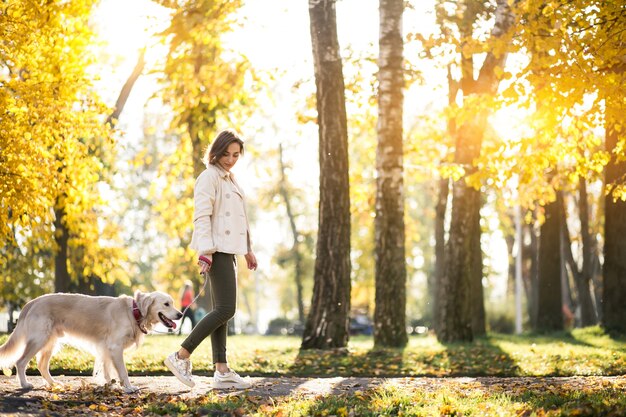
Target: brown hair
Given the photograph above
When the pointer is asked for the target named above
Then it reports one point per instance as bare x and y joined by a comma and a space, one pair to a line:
220, 144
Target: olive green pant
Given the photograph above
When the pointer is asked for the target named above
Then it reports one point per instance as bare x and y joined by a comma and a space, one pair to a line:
223, 280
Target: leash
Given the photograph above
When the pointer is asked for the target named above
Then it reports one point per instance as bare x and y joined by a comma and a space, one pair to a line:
206, 279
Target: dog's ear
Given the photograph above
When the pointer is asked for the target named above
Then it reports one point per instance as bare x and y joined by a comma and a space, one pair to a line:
144, 301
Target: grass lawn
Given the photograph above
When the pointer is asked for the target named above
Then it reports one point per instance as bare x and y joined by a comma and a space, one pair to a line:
583, 352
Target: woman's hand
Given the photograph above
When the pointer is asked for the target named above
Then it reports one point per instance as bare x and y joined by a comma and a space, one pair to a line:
204, 262
251, 261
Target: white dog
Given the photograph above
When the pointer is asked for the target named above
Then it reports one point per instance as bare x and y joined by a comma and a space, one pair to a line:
104, 325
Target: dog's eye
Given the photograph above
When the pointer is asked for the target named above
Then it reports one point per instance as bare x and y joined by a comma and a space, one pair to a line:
167, 304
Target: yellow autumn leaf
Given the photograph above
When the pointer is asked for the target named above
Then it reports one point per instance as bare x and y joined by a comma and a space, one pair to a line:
498, 71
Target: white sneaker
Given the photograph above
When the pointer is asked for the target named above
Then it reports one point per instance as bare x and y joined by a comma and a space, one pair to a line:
181, 368
230, 380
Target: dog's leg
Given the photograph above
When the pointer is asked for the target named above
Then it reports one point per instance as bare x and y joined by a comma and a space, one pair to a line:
108, 368
43, 362
117, 356
102, 367
98, 367
32, 347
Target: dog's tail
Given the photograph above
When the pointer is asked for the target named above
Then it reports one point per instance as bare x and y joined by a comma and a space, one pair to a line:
11, 350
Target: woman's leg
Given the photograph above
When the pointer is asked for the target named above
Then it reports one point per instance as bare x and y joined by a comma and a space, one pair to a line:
223, 278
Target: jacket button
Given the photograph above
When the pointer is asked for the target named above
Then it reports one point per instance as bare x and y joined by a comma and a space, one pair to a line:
228, 213
227, 232
227, 195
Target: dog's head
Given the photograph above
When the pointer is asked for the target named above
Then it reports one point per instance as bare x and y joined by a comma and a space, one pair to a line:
157, 307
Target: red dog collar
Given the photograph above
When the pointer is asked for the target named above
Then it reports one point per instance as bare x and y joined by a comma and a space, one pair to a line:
138, 316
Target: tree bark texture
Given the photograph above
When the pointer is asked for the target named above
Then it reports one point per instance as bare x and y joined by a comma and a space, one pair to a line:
327, 324
549, 297
389, 252
614, 269
455, 320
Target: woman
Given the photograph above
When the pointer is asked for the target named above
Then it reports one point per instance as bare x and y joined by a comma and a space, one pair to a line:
221, 232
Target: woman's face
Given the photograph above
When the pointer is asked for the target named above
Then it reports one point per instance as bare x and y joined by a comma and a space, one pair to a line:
230, 157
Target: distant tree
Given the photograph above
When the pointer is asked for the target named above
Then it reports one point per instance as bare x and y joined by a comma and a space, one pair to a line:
549, 315
583, 276
56, 148
390, 267
84, 282
586, 40
295, 253
327, 322
455, 307
614, 271
203, 84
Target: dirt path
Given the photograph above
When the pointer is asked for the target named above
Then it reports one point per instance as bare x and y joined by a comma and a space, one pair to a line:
17, 402
289, 386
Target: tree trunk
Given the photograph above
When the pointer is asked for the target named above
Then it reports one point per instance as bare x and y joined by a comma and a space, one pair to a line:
549, 300
477, 304
440, 210
568, 306
440, 242
389, 252
455, 320
530, 257
588, 316
126, 89
614, 271
510, 240
61, 236
455, 310
582, 278
328, 321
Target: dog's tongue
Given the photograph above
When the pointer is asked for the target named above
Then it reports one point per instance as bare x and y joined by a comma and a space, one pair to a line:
171, 323
167, 321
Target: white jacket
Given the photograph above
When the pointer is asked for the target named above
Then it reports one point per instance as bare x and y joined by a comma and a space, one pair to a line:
220, 222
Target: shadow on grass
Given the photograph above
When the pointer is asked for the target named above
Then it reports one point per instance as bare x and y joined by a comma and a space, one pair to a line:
346, 363
479, 358
544, 339
482, 357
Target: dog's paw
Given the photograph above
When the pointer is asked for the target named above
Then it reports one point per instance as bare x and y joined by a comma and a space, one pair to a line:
56, 385
131, 389
26, 385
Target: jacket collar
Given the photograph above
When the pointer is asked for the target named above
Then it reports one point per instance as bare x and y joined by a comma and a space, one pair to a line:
226, 175
222, 172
